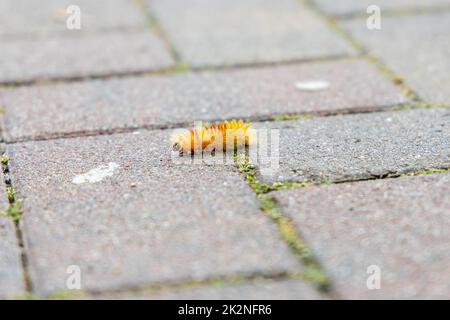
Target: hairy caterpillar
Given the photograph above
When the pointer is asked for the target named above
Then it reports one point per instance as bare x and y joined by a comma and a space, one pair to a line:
221, 136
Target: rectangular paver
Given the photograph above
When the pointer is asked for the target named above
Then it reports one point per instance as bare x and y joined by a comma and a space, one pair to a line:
25, 17
361, 146
397, 227
125, 213
11, 277
55, 110
259, 290
229, 32
82, 55
344, 7
416, 48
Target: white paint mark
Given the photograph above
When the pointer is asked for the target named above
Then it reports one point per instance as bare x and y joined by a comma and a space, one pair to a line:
136, 132
313, 85
96, 174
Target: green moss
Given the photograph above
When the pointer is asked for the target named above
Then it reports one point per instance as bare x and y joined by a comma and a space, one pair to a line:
68, 295
430, 171
11, 194
26, 296
249, 170
14, 211
5, 159
285, 117
313, 273
182, 67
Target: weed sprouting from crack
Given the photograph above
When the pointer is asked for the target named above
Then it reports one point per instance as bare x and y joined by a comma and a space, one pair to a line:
4, 159
286, 117
14, 211
312, 273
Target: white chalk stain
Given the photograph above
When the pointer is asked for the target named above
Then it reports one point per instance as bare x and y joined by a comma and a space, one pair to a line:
96, 174
313, 85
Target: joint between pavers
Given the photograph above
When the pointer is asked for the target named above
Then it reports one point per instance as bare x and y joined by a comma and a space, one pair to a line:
383, 68
179, 68
263, 118
15, 213
313, 272
157, 287
289, 185
396, 12
154, 25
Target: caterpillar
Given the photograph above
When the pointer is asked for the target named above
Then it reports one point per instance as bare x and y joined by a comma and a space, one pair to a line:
221, 136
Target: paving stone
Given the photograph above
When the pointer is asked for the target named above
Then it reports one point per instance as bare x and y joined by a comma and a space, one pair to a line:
360, 146
81, 56
424, 67
400, 225
52, 110
224, 32
343, 7
128, 215
261, 290
11, 278
25, 17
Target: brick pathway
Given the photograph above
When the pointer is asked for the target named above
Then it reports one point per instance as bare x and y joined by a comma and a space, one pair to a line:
91, 179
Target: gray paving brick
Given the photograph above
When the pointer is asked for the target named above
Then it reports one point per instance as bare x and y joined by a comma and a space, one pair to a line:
11, 278
415, 47
261, 290
400, 225
25, 17
343, 7
224, 32
81, 56
50, 110
148, 220
361, 146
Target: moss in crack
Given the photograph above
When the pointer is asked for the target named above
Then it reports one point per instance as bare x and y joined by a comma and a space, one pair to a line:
429, 171
27, 296
11, 194
14, 211
68, 295
5, 159
312, 273
286, 117
249, 170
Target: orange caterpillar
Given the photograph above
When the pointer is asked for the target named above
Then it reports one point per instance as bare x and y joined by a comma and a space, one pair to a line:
215, 137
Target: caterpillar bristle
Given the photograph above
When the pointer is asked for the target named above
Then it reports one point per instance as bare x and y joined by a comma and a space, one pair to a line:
220, 136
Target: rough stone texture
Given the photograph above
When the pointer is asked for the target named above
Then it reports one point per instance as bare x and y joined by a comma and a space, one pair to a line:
153, 220
424, 66
25, 17
81, 55
228, 32
261, 290
400, 225
361, 146
343, 7
11, 278
52, 110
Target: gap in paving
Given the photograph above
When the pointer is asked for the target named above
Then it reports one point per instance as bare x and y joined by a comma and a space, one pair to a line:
13, 202
271, 118
383, 68
179, 68
314, 273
